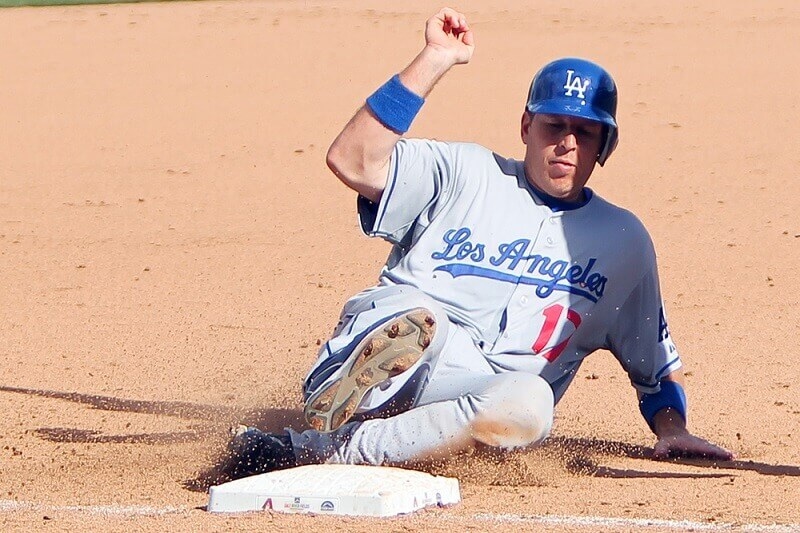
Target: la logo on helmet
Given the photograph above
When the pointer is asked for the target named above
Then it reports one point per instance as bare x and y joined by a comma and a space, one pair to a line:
575, 83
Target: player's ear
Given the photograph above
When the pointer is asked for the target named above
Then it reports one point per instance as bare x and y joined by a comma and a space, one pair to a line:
525, 126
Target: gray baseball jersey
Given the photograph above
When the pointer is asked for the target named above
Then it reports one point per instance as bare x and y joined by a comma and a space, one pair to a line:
537, 285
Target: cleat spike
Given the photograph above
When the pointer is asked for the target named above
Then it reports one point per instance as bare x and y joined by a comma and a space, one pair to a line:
384, 353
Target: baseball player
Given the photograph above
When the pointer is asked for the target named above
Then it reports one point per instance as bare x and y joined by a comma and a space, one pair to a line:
504, 275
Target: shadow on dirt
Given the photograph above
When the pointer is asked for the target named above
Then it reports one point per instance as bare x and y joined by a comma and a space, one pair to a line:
634, 451
267, 419
213, 422
110, 403
75, 435
576, 455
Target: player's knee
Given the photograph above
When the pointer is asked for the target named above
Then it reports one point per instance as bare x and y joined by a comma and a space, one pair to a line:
517, 410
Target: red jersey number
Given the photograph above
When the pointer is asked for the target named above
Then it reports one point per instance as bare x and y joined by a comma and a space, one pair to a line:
552, 316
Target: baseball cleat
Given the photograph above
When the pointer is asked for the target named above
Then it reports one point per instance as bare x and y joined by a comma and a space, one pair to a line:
388, 351
251, 451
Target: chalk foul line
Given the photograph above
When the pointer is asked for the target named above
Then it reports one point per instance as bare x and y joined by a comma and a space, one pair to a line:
641, 523
7, 506
127, 511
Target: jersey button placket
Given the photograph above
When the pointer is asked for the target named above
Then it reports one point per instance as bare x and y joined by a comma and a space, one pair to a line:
550, 238
522, 293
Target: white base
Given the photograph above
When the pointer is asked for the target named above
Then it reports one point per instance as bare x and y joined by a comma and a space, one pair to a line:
335, 489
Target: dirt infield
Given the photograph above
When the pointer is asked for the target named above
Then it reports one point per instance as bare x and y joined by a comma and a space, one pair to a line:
173, 249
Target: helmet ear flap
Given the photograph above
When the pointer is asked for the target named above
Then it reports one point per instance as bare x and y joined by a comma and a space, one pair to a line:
611, 139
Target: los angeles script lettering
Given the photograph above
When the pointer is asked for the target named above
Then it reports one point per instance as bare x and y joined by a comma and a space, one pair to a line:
459, 247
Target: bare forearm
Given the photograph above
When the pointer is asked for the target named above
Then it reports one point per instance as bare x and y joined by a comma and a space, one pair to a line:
430, 65
360, 154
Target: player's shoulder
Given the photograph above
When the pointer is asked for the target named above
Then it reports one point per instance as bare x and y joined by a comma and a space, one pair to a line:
493, 161
464, 161
452, 148
622, 222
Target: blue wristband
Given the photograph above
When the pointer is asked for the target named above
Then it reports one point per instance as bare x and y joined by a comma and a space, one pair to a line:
394, 105
671, 395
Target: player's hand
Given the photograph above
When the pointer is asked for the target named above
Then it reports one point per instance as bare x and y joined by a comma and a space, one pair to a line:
447, 31
684, 444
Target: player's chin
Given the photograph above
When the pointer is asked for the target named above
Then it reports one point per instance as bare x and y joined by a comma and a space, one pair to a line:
562, 188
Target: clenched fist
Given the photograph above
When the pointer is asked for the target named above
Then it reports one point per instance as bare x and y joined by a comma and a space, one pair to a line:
447, 31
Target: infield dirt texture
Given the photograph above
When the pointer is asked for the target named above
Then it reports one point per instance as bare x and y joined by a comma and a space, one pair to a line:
173, 249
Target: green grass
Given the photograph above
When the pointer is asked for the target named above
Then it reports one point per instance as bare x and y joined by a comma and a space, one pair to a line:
18, 3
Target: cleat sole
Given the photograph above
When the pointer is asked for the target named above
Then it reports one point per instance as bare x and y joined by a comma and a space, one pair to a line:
385, 353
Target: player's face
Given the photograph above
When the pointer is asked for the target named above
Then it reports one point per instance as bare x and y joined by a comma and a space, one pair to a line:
561, 153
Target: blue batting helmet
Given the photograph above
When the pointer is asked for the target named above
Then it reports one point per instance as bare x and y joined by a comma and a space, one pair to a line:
579, 88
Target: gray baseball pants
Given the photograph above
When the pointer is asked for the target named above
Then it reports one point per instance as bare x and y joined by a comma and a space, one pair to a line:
463, 401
